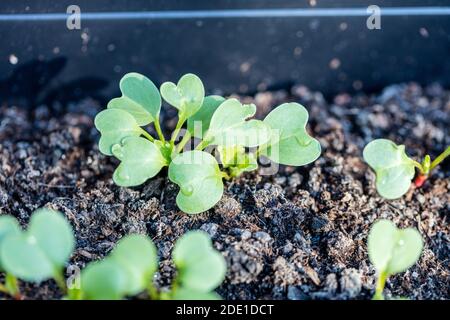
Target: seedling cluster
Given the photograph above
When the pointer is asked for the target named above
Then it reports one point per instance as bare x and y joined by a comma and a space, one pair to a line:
42, 251
395, 170
220, 129
392, 251
215, 121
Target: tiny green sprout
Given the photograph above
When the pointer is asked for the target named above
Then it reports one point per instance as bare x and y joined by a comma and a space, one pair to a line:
225, 124
394, 169
392, 250
200, 267
40, 252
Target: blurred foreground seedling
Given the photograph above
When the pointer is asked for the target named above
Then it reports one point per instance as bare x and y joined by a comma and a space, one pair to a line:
42, 251
391, 251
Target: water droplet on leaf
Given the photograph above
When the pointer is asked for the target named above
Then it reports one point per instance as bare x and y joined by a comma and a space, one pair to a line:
303, 142
117, 151
187, 190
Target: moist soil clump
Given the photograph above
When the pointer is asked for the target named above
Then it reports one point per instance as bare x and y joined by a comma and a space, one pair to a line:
298, 234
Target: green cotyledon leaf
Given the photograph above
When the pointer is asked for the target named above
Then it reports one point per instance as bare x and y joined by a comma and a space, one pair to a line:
200, 180
114, 125
229, 126
40, 251
200, 267
140, 161
103, 280
137, 256
8, 226
198, 124
393, 250
140, 97
187, 95
393, 168
290, 144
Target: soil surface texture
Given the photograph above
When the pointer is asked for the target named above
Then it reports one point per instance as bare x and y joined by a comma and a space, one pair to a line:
298, 234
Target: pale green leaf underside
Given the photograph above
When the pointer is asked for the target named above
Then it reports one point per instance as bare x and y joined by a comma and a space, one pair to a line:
187, 95
8, 226
36, 254
137, 256
24, 259
229, 126
104, 280
393, 168
140, 161
114, 125
53, 234
191, 245
290, 144
198, 176
205, 274
393, 250
200, 266
198, 124
140, 97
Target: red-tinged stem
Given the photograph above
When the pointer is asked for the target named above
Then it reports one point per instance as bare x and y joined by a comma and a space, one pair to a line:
420, 180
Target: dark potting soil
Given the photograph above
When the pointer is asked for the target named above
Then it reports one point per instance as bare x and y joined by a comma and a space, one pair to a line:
298, 234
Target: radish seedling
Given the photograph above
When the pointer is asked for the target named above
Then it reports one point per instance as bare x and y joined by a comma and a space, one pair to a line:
40, 253
37, 254
392, 251
224, 123
394, 169
129, 270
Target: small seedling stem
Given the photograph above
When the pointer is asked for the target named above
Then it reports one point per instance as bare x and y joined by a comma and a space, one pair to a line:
159, 131
381, 281
180, 123
427, 166
147, 135
186, 139
440, 158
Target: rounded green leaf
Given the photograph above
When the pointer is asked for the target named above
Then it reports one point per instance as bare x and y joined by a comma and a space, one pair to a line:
137, 256
104, 280
140, 160
187, 96
53, 234
189, 294
393, 250
114, 125
198, 124
229, 126
393, 168
140, 97
8, 226
200, 267
22, 257
200, 180
190, 247
290, 144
